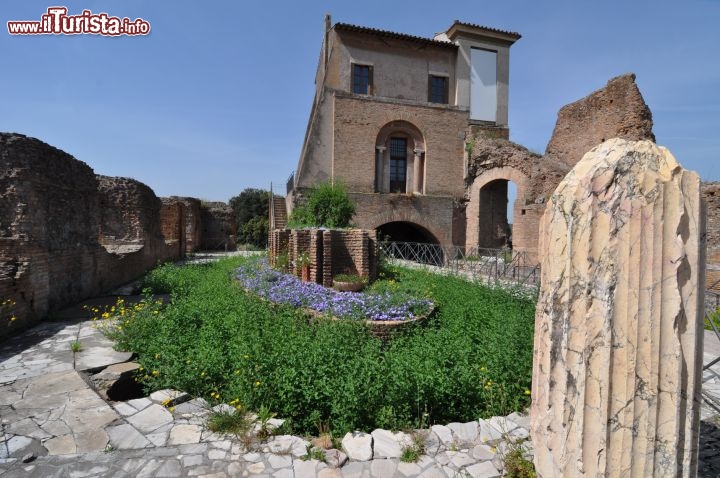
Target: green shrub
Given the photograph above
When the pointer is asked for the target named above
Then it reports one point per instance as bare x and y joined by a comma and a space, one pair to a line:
518, 467
328, 205
472, 359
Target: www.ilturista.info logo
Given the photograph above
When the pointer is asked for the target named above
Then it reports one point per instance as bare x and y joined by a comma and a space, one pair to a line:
57, 22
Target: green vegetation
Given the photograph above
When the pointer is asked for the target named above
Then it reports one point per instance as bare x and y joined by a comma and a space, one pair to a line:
472, 359
712, 318
251, 209
76, 346
412, 453
328, 205
229, 421
516, 466
354, 278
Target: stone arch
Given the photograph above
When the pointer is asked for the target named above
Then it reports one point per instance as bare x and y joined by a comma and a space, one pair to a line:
387, 179
405, 232
409, 217
490, 186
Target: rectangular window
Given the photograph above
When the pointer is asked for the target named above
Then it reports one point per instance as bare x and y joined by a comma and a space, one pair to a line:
361, 79
438, 89
398, 164
483, 84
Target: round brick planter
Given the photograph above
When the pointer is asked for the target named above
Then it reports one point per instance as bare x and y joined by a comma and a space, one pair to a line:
342, 286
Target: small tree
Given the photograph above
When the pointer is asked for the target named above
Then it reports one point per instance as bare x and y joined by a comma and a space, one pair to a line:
328, 205
251, 209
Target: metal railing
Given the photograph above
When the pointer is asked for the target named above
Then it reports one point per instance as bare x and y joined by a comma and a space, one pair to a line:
478, 264
712, 306
290, 185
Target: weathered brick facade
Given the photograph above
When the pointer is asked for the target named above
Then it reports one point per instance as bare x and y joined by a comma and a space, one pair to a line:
711, 194
399, 149
330, 252
358, 122
67, 234
218, 226
614, 111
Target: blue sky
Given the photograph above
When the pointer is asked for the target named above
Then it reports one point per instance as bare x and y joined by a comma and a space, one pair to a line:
217, 97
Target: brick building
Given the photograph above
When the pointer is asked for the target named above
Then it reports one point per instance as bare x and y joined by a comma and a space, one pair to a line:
392, 117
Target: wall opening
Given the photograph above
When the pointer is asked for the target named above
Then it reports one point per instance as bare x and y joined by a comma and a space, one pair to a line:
497, 199
405, 232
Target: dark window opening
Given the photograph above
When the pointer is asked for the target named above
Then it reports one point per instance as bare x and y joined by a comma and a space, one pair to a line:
398, 164
361, 79
438, 89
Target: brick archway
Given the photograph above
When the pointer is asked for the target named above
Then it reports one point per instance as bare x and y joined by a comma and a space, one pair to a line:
412, 218
487, 187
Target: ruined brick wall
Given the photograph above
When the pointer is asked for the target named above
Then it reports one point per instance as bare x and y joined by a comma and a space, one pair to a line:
711, 194
353, 251
130, 211
130, 231
192, 219
53, 213
180, 221
49, 221
331, 252
492, 163
615, 111
172, 225
218, 226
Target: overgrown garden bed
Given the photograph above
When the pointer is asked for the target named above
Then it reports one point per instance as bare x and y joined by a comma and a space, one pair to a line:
472, 359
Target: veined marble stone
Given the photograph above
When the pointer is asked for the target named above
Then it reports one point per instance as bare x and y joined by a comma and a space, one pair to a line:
618, 329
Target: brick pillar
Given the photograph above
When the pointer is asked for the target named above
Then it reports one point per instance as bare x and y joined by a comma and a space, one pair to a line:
327, 258
619, 325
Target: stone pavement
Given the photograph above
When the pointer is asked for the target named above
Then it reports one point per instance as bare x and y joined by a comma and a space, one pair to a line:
54, 424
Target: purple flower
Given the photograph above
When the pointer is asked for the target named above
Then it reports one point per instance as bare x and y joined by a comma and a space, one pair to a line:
257, 276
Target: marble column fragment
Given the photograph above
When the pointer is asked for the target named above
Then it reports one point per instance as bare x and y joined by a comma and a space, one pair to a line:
619, 323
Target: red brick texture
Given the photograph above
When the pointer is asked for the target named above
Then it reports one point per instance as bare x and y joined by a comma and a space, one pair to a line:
67, 234
331, 252
358, 121
615, 111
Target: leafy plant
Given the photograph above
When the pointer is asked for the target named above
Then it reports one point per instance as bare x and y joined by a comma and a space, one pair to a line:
354, 278
412, 453
315, 453
76, 346
516, 466
264, 415
328, 205
229, 421
712, 318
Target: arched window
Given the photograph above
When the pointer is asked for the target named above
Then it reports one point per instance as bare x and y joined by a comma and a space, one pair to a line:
400, 159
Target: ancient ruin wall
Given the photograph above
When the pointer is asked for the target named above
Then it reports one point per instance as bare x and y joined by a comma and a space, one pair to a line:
615, 111
130, 231
492, 162
130, 211
49, 220
54, 213
711, 194
180, 222
218, 226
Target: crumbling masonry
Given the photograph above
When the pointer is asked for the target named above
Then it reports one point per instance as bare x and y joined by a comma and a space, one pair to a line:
67, 234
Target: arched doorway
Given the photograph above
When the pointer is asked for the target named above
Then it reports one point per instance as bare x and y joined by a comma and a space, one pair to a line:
495, 214
401, 231
496, 211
